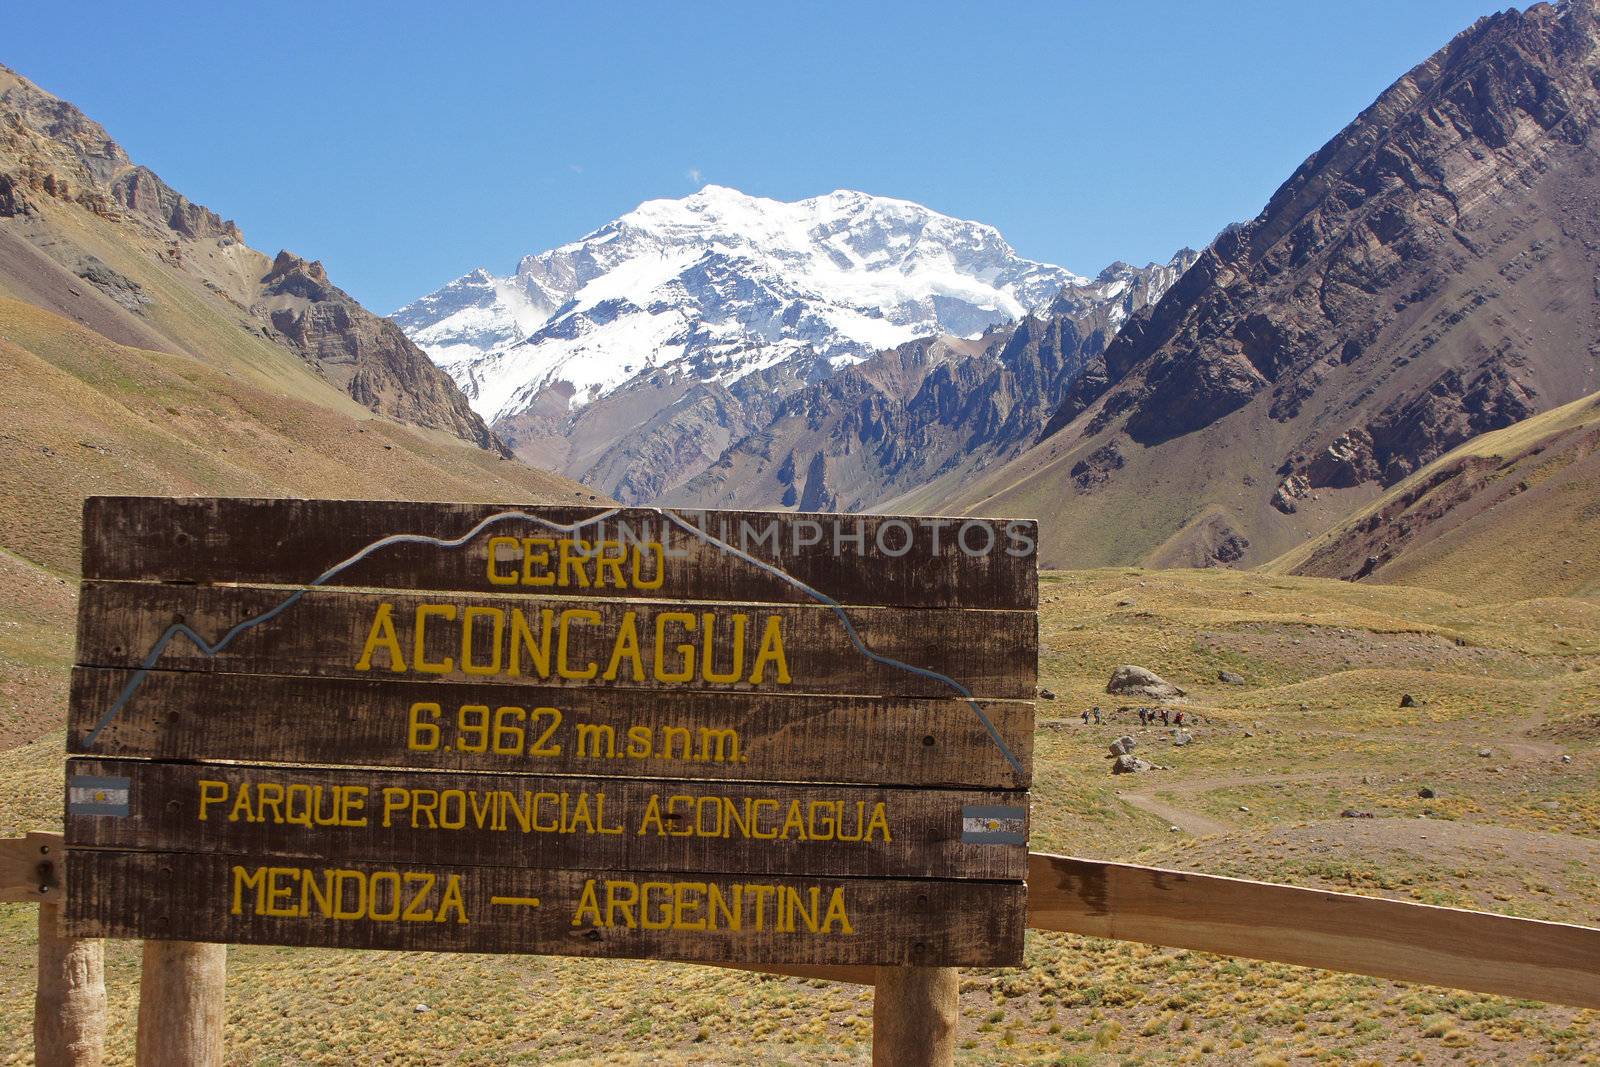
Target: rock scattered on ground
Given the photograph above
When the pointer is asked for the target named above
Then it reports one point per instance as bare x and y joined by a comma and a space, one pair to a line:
1352, 813
1181, 737
1123, 745
1427, 793
1045, 694
1408, 701
1140, 681
1230, 678
1128, 764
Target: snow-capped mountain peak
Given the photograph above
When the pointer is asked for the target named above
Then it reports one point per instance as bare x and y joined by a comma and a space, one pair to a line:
718, 285
474, 313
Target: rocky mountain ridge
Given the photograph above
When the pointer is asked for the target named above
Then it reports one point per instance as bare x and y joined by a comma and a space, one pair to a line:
927, 414
674, 339
1427, 276
54, 156
1510, 510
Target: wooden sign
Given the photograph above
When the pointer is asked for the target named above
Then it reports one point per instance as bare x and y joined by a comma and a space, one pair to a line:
452, 726
728, 736
565, 641
912, 561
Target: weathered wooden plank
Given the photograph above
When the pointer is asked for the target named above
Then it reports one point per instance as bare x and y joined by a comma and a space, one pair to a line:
186, 715
1507, 956
519, 820
30, 868
784, 648
245, 900
1337, 931
857, 559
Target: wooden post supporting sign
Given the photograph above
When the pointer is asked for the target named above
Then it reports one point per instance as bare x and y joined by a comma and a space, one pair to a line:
181, 995
915, 1013
69, 1004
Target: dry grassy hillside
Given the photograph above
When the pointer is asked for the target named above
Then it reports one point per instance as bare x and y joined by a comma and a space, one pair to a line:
90, 234
1316, 728
80, 415
83, 415
1507, 513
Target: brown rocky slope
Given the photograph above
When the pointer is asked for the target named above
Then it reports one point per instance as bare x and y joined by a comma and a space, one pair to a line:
926, 416
1508, 514
177, 270
1429, 275
145, 349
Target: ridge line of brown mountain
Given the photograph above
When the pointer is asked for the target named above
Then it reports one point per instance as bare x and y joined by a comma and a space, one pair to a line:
1432, 273
54, 157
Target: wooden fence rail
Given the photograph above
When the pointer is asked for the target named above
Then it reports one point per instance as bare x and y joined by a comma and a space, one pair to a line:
1479, 951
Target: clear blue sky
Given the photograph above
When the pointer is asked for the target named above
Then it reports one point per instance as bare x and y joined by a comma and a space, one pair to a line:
404, 144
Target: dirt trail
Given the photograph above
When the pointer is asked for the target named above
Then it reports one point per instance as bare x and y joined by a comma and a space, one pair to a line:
1185, 819
1524, 747
1191, 821
1174, 806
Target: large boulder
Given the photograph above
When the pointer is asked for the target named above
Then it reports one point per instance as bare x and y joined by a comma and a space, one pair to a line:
1138, 681
1122, 745
1129, 765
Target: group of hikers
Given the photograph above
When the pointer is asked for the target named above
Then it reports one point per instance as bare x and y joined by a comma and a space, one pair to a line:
1147, 716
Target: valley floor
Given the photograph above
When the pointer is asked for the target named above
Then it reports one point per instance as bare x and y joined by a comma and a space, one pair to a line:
1505, 693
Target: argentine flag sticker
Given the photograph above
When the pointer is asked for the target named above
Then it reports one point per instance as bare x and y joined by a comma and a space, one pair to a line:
90, 795
993, 824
